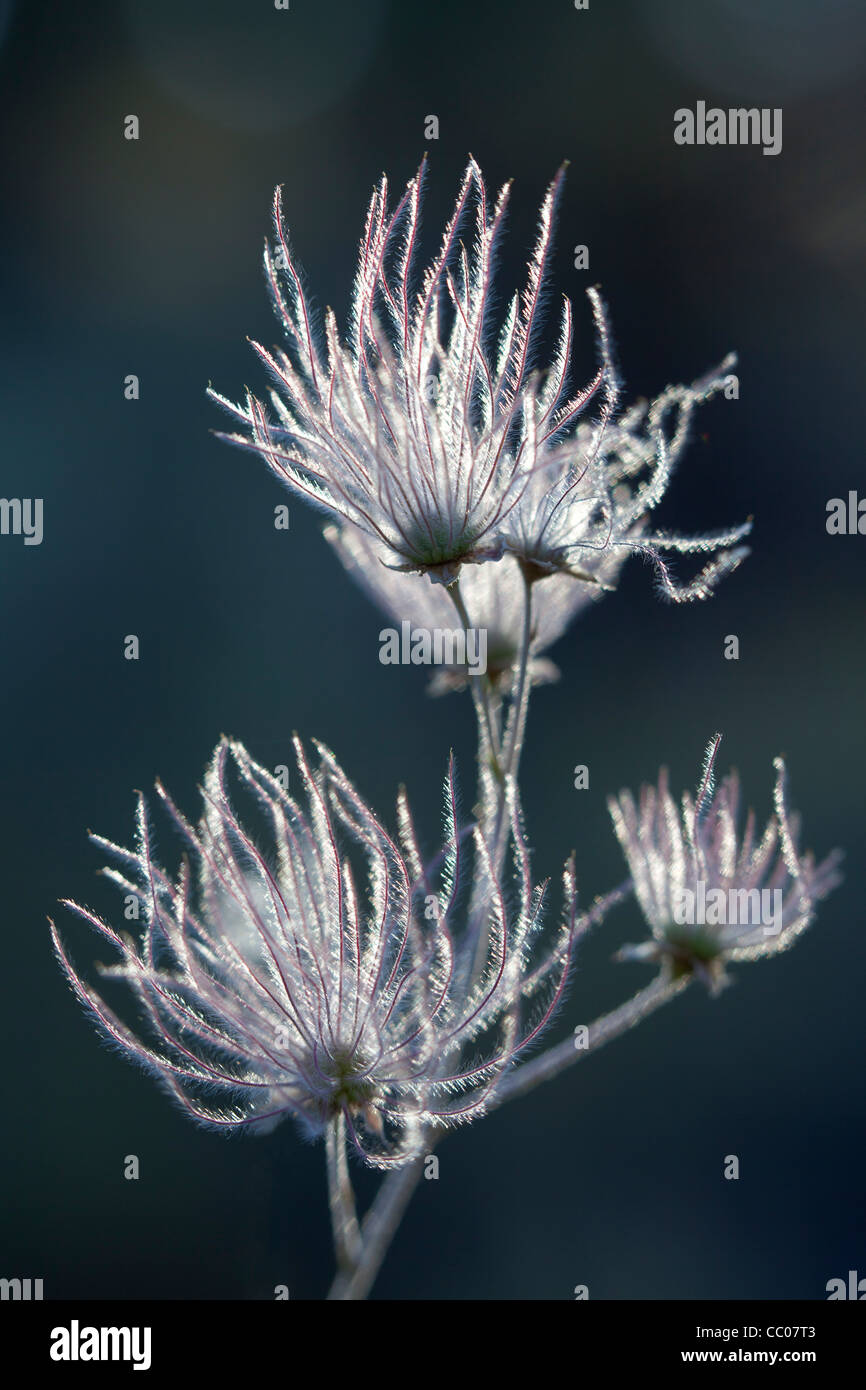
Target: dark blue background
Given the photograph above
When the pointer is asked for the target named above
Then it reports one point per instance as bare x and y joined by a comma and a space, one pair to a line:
144, 257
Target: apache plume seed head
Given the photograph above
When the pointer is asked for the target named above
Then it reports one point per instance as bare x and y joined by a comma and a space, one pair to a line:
270, 986
588, 507
709, 893
437, 438
417, 430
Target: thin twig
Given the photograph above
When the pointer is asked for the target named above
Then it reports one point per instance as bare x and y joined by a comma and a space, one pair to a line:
603, 1030
379, 1228
488, 740
516, 728
341, 1199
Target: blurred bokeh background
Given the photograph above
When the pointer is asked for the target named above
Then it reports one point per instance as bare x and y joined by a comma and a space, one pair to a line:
143, 257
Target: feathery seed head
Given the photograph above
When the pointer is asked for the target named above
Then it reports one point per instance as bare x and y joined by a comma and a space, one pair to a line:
431, 431
271, 986
417, 428
588, 507
710, 892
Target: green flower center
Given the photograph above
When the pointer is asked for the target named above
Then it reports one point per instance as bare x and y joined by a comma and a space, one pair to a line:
351, 1088
431, 544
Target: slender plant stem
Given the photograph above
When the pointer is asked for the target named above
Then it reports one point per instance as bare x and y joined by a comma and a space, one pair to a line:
378, 1230
603, 1030
498, 818
341, 1199
488, 737
517, 718
516, 728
